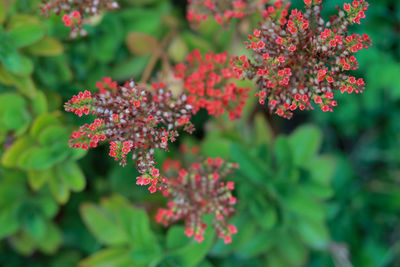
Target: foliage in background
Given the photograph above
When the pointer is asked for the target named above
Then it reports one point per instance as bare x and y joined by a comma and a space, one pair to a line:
322, 195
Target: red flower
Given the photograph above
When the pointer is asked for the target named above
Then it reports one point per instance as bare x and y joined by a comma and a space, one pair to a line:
155, 172
318, 100
67, 20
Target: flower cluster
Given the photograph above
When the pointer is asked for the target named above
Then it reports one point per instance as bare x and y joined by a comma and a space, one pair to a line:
131, 118
222, 10
201, 190
209, 82
300, 59
74, 11
154, 179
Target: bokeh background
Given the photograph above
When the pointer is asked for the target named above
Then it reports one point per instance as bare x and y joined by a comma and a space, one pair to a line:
322, 189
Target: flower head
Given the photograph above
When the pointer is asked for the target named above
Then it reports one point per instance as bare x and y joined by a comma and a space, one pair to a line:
303, 58
195, 193
127, 126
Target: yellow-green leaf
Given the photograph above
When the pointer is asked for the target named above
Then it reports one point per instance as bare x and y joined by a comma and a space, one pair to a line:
45, 47
26, 34
73, 176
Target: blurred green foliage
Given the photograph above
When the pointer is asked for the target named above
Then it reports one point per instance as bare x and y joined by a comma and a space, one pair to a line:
326, 193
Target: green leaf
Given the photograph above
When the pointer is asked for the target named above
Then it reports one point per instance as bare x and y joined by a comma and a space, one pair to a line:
247, 231
305, 143
194, 41
135, 223
9, 223
41, 123
110, 257
25, 85
259, 244
292, 247
276, 259
26, 34
53, 134
37, 179
284, 158
263, 131
16, 119
264, 213
249, 166
23, 243
22, 19
12, 155
59, 189
39, 103
9, 56
314, 233
6, 77
301, 203
192, 253
216, 147
39, 158
319, 191
321, 170
34, 224
52, 239
106, 42
3, 13
131, 67
70, 172
175, 239
13, 112
102, 225
46, 47
76, 154
178, 49
11, 101
48, 206
146, 256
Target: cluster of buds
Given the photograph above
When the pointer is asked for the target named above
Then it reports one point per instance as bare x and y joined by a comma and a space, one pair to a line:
80, 104
222, 10
154, 180
300, 59
209, 81
74, 11
131, 118
198, 191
